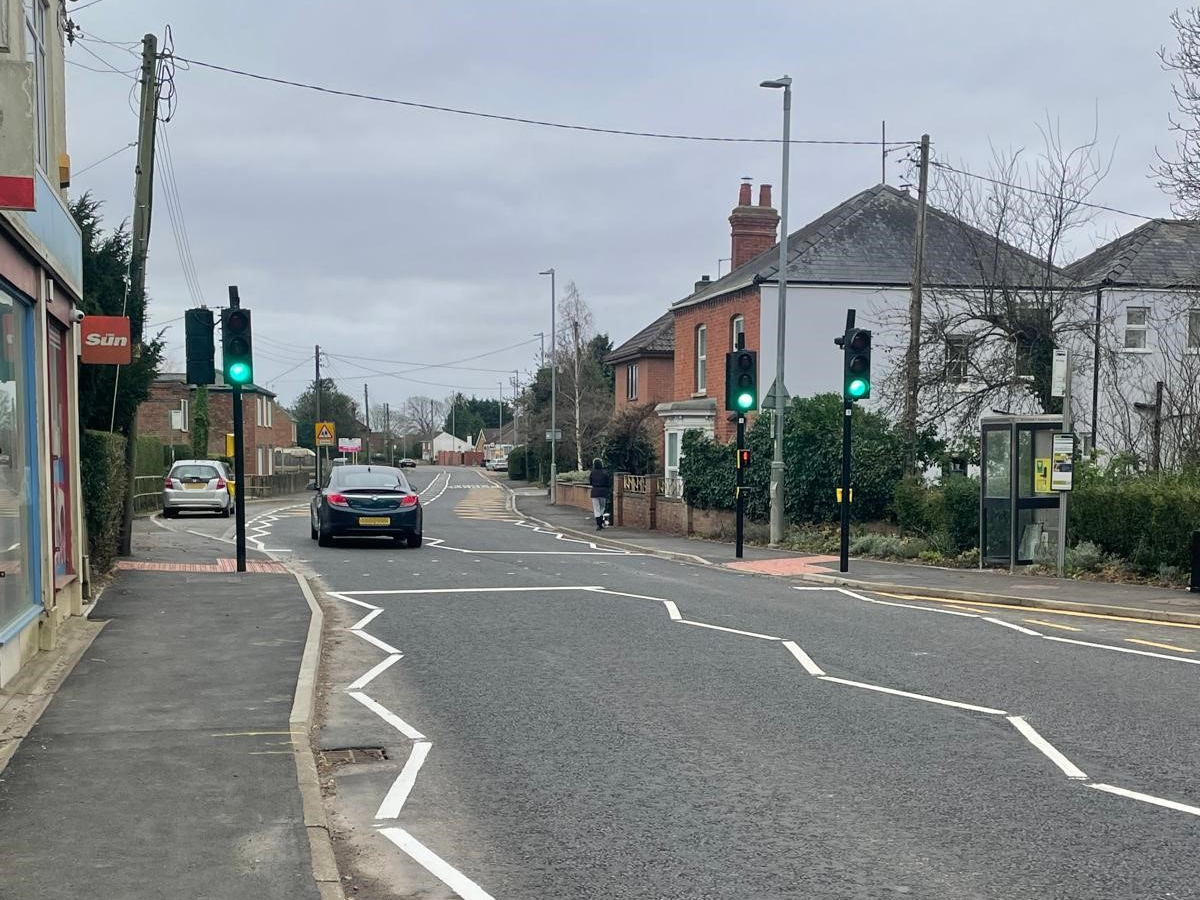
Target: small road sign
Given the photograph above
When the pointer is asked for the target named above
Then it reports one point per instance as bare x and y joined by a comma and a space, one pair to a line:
326, 434
349, 445
556, 435
769, 400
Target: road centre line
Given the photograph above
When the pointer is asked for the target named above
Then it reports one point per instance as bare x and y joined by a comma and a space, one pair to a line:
753, 634
1161, 646
804, 659
1147, 798
393, 801
382, 645
1062, 640
1013, 625
388, 716
367, 677
366, 620
1047, 749
435, 865
1052, 625
970, 707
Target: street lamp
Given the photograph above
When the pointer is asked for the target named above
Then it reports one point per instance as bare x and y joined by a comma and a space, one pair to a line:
780, 406
553, 393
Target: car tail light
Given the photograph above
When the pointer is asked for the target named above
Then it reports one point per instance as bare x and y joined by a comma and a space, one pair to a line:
409, 500
169, 485
221, 484
339, 499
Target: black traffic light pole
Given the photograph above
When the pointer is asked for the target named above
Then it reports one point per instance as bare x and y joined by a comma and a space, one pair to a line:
740, 491
239, 461
847, 419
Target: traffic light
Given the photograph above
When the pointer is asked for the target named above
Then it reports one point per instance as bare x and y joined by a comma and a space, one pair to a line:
741, 381
198, 331
236, 349
743, 458
856, 375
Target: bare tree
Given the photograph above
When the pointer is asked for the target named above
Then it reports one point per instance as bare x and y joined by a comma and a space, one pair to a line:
1181, 176
423, 416
996, 303
582, 385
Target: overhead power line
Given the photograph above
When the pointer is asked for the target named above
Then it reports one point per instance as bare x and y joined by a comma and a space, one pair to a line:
522, 120
1041, 193
105, 159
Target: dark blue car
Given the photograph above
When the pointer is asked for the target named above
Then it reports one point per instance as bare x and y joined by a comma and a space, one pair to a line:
365, 501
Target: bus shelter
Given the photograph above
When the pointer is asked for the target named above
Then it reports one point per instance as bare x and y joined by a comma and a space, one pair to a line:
1018, 512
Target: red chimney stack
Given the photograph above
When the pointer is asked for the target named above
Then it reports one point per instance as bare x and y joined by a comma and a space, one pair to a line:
752, 228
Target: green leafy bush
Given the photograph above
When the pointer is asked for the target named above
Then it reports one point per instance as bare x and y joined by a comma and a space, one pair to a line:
627, 444
149, 456
102, 483
946, 514
516, 464
1147, 520
1084, 557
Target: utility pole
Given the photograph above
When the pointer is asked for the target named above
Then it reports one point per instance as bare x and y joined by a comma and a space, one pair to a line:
500, 431
143, 199
387, 429
777, 468
317, 417
553, 391
367, 422
912, 360
1158, 404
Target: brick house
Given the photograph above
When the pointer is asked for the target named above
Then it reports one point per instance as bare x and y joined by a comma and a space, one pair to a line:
644, 370
167, 415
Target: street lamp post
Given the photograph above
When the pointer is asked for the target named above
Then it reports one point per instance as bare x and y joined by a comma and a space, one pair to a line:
777, 470
553, 392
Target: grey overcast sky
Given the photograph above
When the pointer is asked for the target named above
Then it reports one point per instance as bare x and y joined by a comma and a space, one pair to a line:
411, 236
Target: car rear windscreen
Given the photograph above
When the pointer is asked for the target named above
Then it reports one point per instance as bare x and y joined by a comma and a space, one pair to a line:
206, 472
378, 480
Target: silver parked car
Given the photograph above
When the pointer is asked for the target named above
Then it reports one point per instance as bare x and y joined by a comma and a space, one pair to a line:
197, 484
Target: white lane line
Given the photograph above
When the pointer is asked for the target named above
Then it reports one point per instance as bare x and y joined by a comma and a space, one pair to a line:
475, 590
1047, 749
970, 707
361, 603
1147, 798
439, 493
388, 716
672, 610
371, 639
753, 634
804, 659
211, 536
368, 676
393, 801
1063, 640
1013, 626
932, 609
435, 865
366, 620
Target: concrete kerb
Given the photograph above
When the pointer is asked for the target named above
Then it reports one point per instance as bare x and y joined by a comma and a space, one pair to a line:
928, 593
620, 545
316, 824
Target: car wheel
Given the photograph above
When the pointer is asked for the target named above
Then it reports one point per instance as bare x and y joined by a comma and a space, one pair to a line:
414, 540
312, 530
324, 538
170, 513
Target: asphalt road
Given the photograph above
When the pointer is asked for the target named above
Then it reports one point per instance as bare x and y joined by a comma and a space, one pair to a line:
560, 721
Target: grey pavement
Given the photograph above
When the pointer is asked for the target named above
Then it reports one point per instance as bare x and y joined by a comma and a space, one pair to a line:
163, 767
556, 720
1120, 599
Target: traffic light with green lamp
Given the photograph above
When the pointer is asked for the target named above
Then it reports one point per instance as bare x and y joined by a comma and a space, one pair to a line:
741, 381
856, 378
236, 347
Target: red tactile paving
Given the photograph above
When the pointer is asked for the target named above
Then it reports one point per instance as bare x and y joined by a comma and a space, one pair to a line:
221, 565
788, 565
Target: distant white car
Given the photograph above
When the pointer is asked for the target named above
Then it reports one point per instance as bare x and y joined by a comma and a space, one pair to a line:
499, 465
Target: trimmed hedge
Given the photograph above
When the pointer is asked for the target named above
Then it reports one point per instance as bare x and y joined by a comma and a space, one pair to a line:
946, 514
150, 456
516, 464
1146, 520
812, 447
102, 474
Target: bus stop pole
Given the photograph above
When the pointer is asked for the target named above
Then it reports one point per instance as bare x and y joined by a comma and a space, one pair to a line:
1064, 495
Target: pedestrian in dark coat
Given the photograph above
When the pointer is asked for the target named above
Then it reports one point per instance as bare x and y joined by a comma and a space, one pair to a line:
601, 483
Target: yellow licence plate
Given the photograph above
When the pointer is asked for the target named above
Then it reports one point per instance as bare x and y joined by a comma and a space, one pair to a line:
374, 520
195, 487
